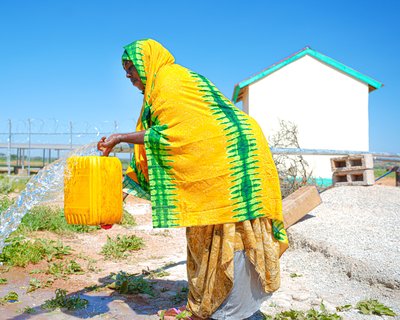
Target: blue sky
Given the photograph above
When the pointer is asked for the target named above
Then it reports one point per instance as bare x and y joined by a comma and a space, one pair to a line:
61, 59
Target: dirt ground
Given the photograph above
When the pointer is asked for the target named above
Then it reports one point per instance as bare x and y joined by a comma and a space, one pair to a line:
164, 249
387, 181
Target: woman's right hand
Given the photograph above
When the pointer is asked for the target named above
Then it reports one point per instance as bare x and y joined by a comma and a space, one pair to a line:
106, 145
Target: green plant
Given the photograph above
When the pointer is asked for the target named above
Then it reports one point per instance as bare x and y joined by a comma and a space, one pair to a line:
12, 184
374, 307
20, 251
311, 314
51, 219
295, 275
378, 172
94, 288
61, 269
12, 296
91, 266
185, 314
127, 283
127, 220
36, 271
62, 301
3, 281
73, 267
344, 307
116, 248
34, 284
4, 204
29, 310
153, 274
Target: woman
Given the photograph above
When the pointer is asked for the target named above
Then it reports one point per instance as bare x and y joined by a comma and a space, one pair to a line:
206, 166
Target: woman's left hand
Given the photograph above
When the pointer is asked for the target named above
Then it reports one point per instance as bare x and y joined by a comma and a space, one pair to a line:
106, 145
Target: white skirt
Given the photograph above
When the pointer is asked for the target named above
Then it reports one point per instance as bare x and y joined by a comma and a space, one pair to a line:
247, 294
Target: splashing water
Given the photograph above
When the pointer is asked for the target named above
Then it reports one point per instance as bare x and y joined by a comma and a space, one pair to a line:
46, 185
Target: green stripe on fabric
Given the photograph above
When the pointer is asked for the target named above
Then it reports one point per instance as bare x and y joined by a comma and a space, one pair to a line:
134, 51
162, 188
241, 150
144, 184
279, 231
131, 187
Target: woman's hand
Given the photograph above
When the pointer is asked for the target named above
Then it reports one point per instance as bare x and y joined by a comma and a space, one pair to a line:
106, 145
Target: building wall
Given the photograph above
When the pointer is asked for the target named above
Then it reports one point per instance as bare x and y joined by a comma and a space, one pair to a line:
329, 108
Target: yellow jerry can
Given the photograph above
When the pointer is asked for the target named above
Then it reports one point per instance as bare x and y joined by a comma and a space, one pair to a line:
93, 190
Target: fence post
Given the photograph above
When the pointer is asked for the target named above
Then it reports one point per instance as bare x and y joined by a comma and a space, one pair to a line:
29, 146
9, 148
70, 135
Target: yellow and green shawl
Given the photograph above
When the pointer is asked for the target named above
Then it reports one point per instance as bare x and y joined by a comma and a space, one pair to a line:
204, 161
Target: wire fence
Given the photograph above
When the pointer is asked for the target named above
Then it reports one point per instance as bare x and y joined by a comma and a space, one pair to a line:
31, 143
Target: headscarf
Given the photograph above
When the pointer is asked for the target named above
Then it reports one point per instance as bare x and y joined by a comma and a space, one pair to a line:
204, 161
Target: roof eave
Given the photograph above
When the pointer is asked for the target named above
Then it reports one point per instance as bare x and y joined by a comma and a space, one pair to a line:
372, 83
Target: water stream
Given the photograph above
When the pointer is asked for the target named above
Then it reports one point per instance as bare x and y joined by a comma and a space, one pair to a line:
46, 185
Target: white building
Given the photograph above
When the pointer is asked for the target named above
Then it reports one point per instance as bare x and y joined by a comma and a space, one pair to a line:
327, 100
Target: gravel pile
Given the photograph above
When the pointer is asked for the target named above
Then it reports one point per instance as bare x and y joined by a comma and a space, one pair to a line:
346, 250
360, 227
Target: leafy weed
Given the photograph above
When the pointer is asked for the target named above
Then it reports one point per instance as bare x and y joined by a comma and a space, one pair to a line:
61, 269
131, 284
20, 251
374, 307
116, 248
29, 310
62, 301
12, 296
311, 314
295, 275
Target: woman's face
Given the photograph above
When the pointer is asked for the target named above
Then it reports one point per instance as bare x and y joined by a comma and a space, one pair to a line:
132, 74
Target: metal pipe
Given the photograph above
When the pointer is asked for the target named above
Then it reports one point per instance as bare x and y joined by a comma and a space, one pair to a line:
330, 152
70, 135
9, 148
384, 175
29, 148
387, 159
23, 158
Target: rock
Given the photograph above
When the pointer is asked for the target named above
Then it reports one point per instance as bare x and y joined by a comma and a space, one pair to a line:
301, 296
282, 303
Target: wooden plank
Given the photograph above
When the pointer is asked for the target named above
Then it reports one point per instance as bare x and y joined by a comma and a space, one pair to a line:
299, 203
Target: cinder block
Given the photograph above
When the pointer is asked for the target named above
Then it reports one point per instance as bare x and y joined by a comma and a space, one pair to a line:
299, 203
352, 162
354, 178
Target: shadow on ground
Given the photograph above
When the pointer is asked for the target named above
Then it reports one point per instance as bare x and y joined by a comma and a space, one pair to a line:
105, 301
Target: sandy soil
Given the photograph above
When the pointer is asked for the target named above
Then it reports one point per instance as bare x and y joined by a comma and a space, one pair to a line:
387, 181
319, 281
164, 249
